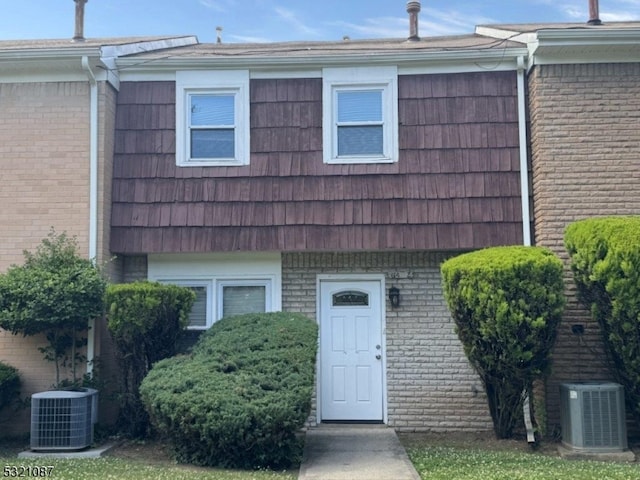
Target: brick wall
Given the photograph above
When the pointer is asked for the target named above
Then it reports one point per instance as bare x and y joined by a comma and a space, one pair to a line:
431, 387
585, 146
44, 135
45, 149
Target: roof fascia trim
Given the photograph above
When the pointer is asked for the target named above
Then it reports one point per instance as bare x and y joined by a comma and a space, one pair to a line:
140, 65
556, 46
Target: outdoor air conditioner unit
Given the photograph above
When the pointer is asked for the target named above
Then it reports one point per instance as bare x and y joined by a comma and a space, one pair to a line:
63, 420
593, 417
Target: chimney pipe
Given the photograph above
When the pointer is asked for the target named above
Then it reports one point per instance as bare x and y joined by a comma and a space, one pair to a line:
79, 33
594, 13
413, 8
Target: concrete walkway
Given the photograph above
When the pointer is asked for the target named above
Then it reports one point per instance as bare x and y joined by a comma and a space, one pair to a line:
355, 452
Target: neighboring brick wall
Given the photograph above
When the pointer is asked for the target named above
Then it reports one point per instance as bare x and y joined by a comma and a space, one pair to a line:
44, 147
585, 146
431, 386
107, 369
45, 153
106, 139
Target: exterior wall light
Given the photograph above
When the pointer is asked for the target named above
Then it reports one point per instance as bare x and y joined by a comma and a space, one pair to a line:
394, 297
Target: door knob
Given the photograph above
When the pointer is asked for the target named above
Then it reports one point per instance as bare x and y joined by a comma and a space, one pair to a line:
378, 357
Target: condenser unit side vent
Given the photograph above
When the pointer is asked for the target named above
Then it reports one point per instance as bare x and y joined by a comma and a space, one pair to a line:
62, 420
593, 417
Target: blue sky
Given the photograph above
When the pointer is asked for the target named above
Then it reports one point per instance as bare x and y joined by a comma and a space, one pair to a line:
284, 20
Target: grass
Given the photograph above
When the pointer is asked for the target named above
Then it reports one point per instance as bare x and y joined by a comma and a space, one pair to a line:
119, 469
470, 457
460, 463
129, 460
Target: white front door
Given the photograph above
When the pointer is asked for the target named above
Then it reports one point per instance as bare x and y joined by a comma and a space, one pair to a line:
351, 372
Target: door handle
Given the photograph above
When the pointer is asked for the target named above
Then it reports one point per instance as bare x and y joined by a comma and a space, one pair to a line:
378, 357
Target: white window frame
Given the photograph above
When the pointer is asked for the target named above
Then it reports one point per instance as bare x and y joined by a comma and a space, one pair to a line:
215, 291
209, 304
226, 82
384, 79
252, 282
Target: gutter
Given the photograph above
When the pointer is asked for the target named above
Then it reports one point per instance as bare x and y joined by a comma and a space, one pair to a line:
93, 194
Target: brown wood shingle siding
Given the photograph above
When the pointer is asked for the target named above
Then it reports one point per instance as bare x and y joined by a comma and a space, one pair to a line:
456, 185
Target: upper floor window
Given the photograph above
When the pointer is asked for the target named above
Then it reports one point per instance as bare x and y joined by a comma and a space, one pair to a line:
360, 118
212, 118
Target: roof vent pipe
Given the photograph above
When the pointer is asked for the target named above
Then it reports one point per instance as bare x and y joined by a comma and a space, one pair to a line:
594, 13
413, 8
79, 34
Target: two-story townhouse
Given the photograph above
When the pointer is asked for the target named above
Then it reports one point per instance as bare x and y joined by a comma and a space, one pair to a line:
57, 119
326, 178
330, 177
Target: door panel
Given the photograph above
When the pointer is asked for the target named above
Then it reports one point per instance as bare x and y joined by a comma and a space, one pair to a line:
351, 384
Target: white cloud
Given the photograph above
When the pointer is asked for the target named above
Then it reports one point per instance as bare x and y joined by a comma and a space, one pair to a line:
613, 11
433, 22
290, 17
618, 16
217, 5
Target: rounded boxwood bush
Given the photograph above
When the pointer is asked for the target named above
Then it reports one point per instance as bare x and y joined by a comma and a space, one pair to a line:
145, 320
506, 303
605, 259
241, 396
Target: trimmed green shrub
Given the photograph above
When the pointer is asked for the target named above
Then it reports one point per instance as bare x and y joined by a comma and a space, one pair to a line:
145, 320
9, 384
55, 292
605, 259
241, 396
506, 303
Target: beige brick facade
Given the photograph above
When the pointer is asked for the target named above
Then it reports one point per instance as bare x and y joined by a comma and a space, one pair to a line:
45, 151
44, 148
585, 146
431, 386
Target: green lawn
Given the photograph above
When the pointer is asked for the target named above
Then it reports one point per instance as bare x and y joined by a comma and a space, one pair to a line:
458, 463
433, 462
119, 469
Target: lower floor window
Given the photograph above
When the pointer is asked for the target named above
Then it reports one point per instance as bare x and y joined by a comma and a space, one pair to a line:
219, 298
239, 299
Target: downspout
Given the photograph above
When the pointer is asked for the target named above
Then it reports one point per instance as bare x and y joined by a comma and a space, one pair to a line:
524, 166
524, 200
93, 194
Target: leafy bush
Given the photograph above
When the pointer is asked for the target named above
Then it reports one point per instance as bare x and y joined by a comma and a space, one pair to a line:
240, 397
605, 259
9, 384
55, 292
145, 320
506, 303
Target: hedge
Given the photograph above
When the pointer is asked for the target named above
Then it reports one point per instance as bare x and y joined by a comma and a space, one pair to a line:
9, 384
239, 399
605, 260
506, 303
145, 320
